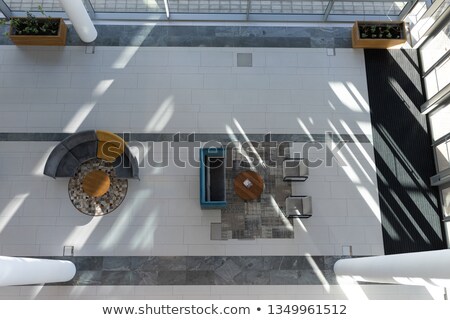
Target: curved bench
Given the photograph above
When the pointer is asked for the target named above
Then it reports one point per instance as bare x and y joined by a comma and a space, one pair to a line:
126, 165
82, 146
70, 153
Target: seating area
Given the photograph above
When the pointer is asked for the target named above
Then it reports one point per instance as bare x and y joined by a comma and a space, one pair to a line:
171, 211
324, 151
83, 146
298, 207
295, 170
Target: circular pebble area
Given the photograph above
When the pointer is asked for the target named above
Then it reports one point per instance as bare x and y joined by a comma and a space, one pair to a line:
97, 206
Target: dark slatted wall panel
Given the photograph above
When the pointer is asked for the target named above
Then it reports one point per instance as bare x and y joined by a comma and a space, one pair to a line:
410, 208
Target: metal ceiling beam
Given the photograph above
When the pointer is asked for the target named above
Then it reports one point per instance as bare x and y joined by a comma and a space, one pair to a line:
328, 10
435, 28
438, 100
432, 8
236, 17
407, 8
5, 10
90, 9
249, 6
167, 8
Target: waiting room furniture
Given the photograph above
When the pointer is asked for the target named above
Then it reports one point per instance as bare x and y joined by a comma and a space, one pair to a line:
212, 178
95, 189
298, 207
110, 145
248, 185
126, 165
83, 146
67, 156
295, 170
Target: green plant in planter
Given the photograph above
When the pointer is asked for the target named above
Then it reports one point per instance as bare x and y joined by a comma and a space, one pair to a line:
380, 31
31, 25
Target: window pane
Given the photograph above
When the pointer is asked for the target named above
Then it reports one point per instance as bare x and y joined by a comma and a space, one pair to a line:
438, 78
435, 48
432, 19
118, 6
442, 156
443, 74
208, 6
439, 122
368, 7
431, 85
288, 6
446, 201
445, 196
32, 5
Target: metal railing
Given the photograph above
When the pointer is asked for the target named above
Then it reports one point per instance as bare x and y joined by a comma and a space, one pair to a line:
225, 10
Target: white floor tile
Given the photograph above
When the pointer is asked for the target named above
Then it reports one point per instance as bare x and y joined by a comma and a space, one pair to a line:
180, 58
284, 59
189, 90
220, 81
211, 58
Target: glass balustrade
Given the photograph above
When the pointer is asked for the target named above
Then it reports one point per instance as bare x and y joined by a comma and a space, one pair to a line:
302, 10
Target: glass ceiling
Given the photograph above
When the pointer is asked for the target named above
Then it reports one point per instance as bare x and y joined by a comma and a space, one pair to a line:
226, 10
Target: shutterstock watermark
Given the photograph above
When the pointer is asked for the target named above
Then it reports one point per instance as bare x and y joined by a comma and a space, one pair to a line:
267, 153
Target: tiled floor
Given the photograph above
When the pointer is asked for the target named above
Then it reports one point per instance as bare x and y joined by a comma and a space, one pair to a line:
169, 90
161, 90
261, 292
189, 90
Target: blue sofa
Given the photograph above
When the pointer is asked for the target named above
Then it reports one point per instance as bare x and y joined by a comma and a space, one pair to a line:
212, 178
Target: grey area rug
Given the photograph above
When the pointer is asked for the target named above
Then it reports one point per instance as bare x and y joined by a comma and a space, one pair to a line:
261, 218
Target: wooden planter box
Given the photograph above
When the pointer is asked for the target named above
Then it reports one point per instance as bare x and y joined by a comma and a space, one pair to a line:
37, 40
377, 43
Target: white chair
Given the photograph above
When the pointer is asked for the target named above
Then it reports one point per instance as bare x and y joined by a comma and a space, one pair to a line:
295, 170
298, 207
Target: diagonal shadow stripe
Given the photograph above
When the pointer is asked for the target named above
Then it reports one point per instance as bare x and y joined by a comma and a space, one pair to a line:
410, 210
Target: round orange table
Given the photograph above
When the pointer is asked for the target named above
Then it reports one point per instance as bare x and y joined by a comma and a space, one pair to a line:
254, 191
96, 183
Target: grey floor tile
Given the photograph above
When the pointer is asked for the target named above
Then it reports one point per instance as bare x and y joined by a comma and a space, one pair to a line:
171, 277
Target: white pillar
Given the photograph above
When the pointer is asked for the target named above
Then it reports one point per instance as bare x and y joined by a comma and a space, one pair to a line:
23, 271
80, 19
417, 268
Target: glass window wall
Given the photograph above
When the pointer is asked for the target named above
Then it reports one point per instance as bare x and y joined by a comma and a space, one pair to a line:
368, 8
288, 7
435, 63
446, 200
438, 78
299, 10
431, 19
440, 123
435, 48
207, 6
119, 6
443, 155
33, 5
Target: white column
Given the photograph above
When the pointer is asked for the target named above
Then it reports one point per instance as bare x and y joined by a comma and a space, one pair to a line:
80, 19
24, 271
417, 268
